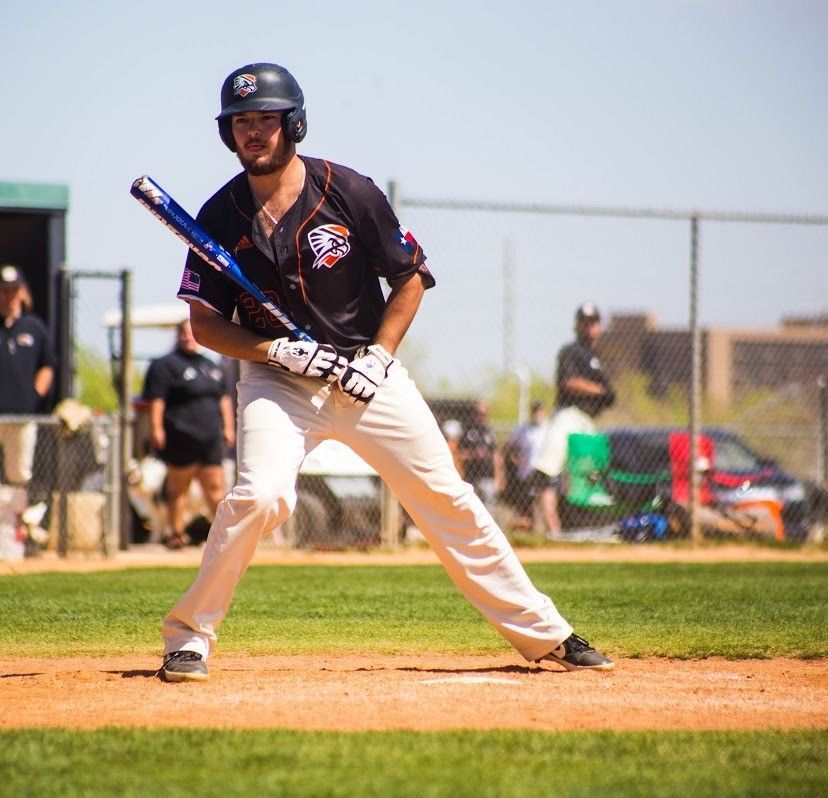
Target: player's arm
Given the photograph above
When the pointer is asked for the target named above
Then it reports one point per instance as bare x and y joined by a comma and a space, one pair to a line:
400, 309
215, 332
364, 374
309, 359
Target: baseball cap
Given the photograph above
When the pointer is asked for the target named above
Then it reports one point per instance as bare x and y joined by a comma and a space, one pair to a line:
10, 275
587, 312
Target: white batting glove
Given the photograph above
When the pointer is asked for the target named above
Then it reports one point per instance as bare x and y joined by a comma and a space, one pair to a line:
306, 358
365, 374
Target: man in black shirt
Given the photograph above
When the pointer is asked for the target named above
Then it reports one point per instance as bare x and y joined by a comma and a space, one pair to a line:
583, 391
27, 368
319, 239
191, 424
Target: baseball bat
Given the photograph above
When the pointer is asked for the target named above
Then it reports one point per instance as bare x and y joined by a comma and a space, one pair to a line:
170, 213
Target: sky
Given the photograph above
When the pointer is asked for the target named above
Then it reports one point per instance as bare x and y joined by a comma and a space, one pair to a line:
689, 104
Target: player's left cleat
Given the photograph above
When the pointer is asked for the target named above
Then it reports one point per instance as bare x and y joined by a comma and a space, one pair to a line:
575, 654
184, 666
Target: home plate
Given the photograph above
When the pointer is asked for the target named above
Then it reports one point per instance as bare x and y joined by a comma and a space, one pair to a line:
471, 680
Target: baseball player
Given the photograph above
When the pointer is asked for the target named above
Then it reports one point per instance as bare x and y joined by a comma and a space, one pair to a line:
583, 391
318, 238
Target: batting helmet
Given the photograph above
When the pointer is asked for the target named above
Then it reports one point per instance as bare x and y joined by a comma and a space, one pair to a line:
262, 87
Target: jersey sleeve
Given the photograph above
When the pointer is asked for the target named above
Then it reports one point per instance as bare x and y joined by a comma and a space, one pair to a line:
392, 248
156, 381
200, 282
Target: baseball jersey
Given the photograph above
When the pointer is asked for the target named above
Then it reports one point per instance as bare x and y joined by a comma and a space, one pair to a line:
322, 264
24, 350
191, 386
578, 359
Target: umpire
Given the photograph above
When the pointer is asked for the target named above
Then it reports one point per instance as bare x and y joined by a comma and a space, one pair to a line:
191, 422
583, 391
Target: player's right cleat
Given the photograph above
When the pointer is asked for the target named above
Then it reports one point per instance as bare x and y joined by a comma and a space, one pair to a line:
575, 654
184, 666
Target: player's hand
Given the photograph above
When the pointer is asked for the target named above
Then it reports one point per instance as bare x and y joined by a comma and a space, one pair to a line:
306, 358
365, 374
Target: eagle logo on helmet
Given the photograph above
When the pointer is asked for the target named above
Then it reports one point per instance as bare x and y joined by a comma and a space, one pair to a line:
244, 85
329, 243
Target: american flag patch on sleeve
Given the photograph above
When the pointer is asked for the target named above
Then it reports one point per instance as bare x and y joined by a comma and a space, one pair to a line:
190, 281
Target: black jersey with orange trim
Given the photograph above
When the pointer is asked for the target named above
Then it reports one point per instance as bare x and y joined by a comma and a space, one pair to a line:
322, 264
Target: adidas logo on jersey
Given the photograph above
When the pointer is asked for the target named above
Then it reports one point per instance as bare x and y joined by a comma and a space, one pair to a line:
244, 243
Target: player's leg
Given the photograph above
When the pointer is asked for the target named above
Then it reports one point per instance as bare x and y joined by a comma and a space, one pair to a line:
397, 434
277, 425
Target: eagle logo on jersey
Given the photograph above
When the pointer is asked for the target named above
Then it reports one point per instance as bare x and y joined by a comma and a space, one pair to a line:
329, 243
244, 85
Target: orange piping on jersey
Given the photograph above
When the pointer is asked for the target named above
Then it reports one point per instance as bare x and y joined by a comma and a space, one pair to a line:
302, 226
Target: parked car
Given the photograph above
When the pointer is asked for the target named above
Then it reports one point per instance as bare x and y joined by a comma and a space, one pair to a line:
735, 474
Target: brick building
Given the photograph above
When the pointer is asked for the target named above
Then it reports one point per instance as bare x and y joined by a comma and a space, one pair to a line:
731, 359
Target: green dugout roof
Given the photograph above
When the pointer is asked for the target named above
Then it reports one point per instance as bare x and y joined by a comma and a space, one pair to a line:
34, 196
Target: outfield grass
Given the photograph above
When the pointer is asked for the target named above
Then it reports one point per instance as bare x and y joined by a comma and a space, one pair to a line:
131, 762
630, 609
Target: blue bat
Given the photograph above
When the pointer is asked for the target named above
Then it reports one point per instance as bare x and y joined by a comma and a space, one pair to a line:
167, 210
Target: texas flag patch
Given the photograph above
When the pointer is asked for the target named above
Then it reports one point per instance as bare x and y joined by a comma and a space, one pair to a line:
407, 241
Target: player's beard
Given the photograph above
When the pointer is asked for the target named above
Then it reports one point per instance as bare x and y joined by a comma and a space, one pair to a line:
261, 165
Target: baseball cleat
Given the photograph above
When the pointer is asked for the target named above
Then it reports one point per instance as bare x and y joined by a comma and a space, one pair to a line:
184, 666
575, 654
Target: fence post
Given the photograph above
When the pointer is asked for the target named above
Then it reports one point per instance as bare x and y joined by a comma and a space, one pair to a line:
389, 518
125, 411
695, 381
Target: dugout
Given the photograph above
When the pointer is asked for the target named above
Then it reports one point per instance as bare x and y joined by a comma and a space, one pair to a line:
33, 236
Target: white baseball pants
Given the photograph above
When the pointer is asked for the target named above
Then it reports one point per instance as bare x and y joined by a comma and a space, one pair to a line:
398, 436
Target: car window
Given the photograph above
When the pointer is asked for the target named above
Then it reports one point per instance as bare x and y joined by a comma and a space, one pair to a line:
732, 456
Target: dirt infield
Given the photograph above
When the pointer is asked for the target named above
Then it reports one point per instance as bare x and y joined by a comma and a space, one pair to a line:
407, 692
415, 692
156, 556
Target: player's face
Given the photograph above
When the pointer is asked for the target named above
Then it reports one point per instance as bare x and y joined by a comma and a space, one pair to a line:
261, 145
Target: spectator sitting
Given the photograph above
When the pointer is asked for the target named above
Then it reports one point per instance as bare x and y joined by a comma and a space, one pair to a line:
519, 452
481, 461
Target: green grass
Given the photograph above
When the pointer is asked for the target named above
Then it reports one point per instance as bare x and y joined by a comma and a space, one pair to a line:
639, 609
129, 762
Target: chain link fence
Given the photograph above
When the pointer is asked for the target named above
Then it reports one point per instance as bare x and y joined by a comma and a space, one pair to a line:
715, 336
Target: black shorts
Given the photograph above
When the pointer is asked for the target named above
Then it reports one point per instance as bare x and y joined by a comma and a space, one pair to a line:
184, 450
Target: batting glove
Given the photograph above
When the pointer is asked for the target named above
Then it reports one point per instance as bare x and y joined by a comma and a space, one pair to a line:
365, 374
306, 358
